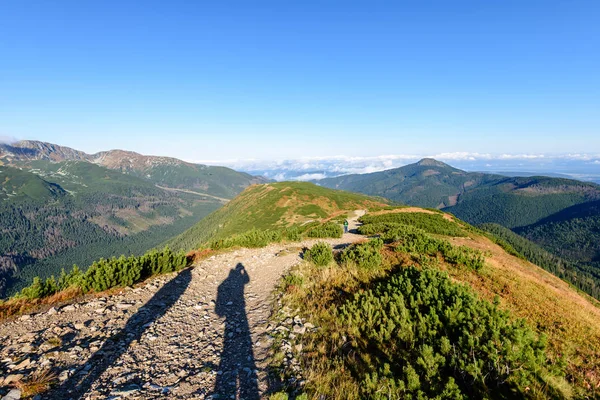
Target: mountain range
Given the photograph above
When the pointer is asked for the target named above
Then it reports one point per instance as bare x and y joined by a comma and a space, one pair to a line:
60, 206
407, 286
559, 214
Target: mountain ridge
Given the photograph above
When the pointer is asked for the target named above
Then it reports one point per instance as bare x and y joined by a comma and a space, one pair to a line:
183, 309
60, 206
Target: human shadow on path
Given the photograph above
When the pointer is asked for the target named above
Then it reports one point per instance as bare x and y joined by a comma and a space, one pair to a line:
236, 375
81, 382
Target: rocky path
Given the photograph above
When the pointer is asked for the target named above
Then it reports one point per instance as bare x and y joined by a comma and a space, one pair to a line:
201, 333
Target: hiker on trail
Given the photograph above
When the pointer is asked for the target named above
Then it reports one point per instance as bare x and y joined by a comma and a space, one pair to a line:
345, 226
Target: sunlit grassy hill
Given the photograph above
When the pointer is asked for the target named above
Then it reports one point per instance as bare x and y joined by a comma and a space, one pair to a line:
274, 206
366, 348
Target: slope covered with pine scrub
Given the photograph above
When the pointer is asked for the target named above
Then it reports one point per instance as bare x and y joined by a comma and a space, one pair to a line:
558, 214
433, 308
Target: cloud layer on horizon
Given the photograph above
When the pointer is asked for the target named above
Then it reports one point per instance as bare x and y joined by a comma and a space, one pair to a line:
311, 168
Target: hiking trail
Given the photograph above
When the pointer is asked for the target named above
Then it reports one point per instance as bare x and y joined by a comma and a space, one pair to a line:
200, 333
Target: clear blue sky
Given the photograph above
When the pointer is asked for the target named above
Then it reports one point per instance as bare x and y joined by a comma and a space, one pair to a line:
250, 79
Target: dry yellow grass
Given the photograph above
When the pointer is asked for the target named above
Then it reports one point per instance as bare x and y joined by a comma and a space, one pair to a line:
36, 383
571, 320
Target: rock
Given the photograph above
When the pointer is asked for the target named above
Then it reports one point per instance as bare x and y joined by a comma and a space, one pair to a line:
124, 306
27, 349
52, 311
182, 374
14, 394
14, 378
66, 374
25, 317
70, 307
126, 391
23, 364
308, 325
299, 330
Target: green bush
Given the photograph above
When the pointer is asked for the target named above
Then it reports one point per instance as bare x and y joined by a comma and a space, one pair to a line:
434, 339
320, 254
251, 239
105, 274
431, 223
40, 288
377, 227
292, 234
326, 230
363, 255
415, 241
293, 280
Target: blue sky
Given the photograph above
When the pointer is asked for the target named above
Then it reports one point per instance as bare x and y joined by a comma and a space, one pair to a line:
272, 80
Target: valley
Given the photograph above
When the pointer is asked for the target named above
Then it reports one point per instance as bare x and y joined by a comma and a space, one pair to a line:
60, 206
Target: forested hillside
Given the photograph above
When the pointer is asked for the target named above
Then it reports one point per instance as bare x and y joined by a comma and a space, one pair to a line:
60, 206
427, 183
561, 215
75, 212
573, 233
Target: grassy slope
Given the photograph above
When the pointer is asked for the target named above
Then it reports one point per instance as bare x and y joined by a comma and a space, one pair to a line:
570, 319
272, 206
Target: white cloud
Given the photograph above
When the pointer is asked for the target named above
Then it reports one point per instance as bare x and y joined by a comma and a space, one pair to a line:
308, 168
8, 139
310, 177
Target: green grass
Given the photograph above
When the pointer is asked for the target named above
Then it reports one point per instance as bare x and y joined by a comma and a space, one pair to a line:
273, 207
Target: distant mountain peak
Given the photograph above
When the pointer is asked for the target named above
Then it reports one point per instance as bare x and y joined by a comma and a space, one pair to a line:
36, 150
430, 162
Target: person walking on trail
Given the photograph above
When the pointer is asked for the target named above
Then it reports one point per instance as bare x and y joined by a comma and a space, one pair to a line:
345, 226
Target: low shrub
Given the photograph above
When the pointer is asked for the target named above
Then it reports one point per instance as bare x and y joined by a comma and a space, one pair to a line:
251, 239
292, 280
431, 223
364, 255
417, 242
108, 273
292, 234
320, 254
326, 230
419, 335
